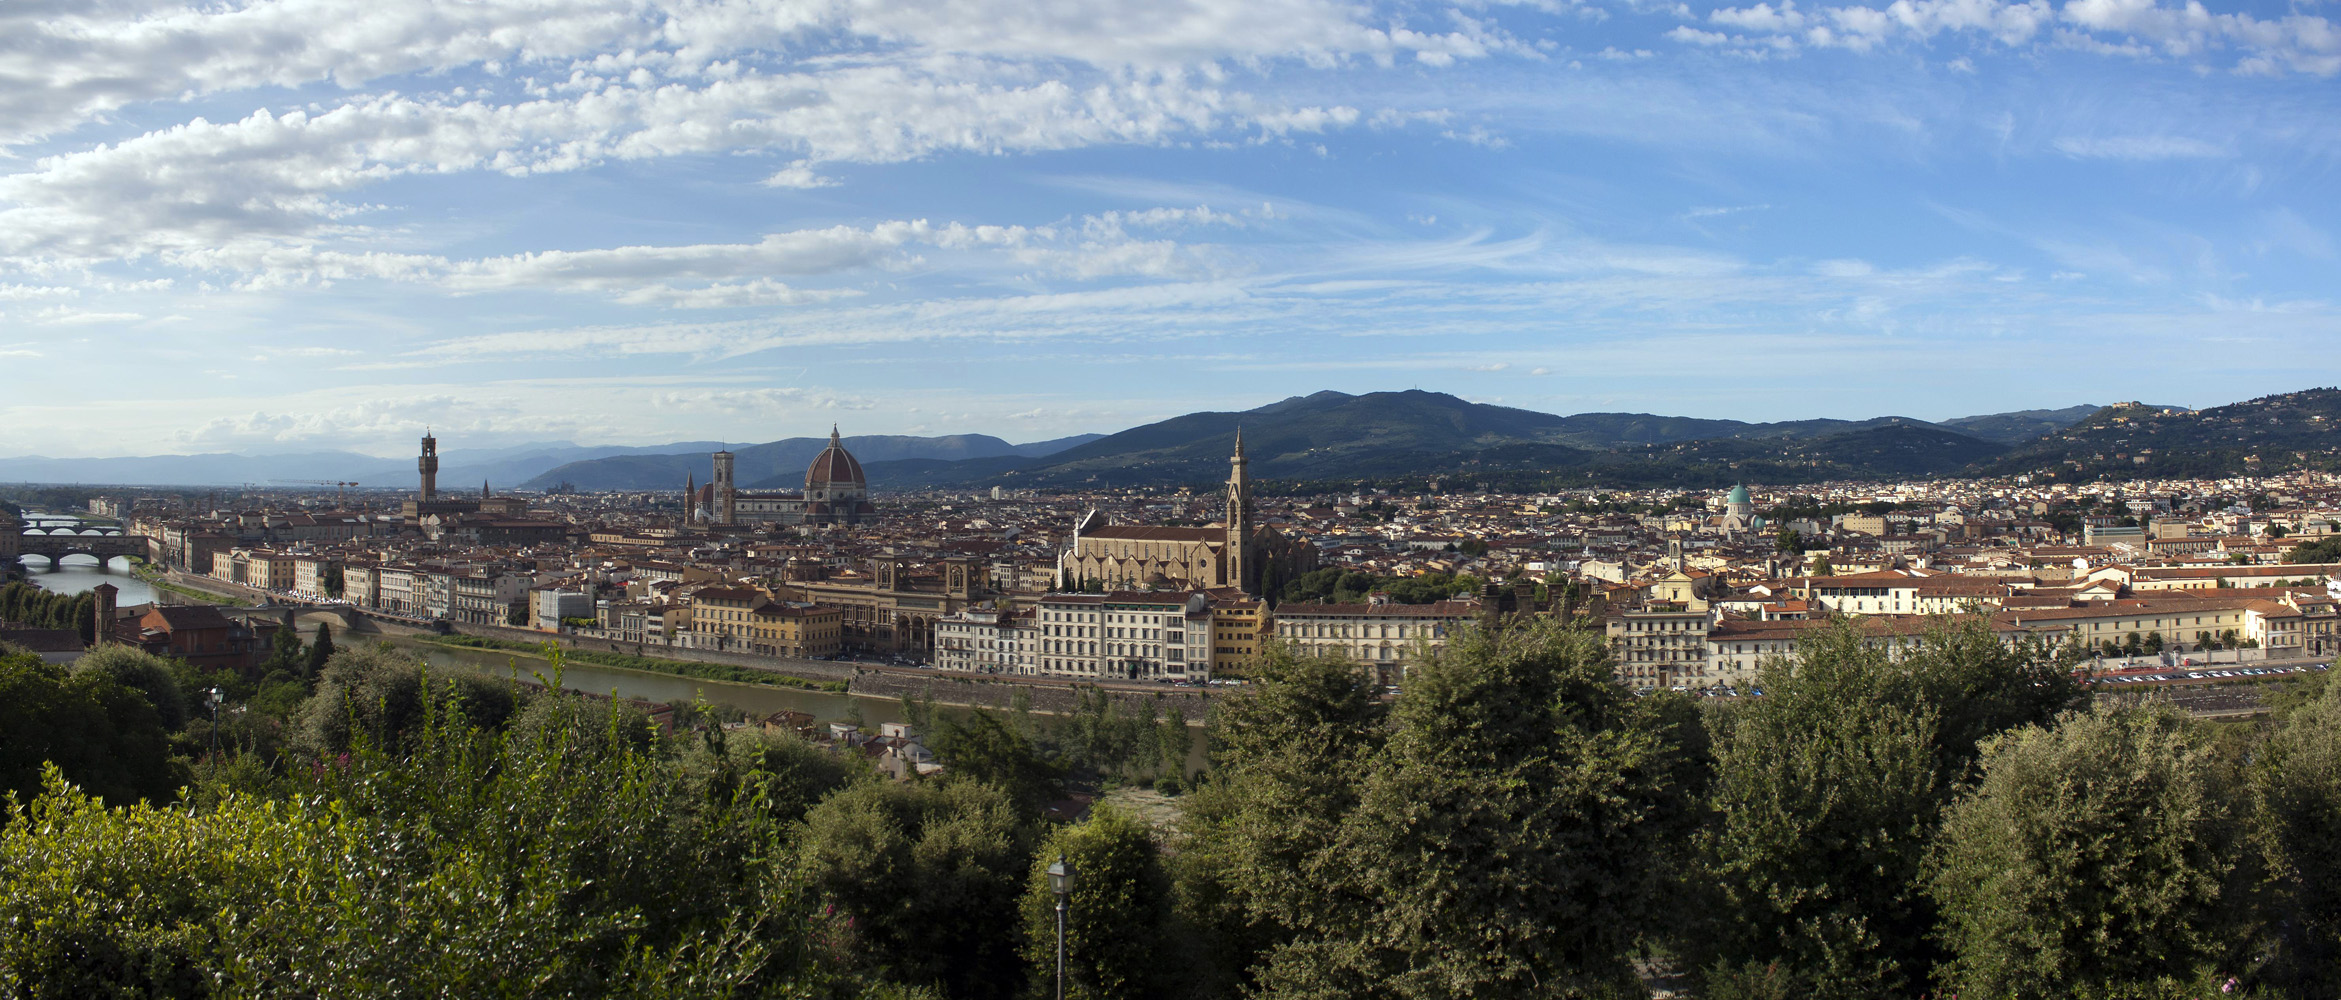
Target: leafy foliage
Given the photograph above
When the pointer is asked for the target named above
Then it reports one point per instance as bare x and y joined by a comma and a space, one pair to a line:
1829, 792
2296, 787
2104, 853
1119, 940
88, 726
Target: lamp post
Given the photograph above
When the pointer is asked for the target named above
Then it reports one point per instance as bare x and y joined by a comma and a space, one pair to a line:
216, 697
1061, 883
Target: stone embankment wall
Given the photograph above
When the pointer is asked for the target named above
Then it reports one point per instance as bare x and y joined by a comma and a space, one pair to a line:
1000, 693
815, 670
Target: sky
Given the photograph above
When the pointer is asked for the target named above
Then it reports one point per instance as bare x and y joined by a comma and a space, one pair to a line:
284, 225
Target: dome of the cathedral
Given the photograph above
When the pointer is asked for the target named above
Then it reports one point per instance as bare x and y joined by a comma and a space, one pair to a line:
834, 465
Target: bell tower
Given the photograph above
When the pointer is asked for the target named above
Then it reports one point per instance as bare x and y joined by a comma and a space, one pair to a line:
723, 487
428, 465
1240, 572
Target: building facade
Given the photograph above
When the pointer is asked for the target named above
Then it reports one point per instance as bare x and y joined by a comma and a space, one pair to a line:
1129, 635
1381, 635
1237, 552
836, 492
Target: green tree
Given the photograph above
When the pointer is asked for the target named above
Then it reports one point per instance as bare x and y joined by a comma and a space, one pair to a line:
977, 746
1118, 919
478, 863
1512, 838
148, 674
285, 654
2101, 856
928, 877
97, 732
1829, 790
2323, 550
2296, 788
376, 696
320, 650
1285, 751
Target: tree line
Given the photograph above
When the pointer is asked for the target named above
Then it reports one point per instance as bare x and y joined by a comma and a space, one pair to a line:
1953, 819
32, 607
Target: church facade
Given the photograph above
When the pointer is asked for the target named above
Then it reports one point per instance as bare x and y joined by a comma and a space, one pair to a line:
1237, 552
836, 492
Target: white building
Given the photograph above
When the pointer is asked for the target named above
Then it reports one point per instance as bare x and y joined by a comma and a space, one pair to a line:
987, 640
555, 601
1139, 636
1380, 634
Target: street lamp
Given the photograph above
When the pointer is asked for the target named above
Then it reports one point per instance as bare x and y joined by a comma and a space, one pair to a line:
1061, 883
216, 697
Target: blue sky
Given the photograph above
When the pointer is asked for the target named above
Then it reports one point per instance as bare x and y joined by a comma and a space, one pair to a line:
267, 226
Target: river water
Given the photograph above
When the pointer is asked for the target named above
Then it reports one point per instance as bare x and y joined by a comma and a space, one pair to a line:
756, 700
80, 573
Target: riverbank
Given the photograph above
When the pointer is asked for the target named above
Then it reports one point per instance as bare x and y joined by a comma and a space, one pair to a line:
1004, 694
692, 669
160, 580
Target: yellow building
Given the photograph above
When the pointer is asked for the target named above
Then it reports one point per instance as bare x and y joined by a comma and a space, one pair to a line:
1237, 625
747, 620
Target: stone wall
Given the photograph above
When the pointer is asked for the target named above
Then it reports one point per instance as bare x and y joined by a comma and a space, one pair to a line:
1000, 693
818, 670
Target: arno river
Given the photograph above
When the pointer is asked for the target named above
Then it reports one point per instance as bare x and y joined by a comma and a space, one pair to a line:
757, 700
81, 573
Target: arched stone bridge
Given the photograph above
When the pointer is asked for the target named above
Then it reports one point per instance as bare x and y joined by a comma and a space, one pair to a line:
65, 542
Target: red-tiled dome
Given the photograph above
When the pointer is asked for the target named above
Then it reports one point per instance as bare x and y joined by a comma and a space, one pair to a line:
834, 465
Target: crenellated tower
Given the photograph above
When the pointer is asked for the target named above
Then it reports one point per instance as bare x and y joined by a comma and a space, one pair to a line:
428, 465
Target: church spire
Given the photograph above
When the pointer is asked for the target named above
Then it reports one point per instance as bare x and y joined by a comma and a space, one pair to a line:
833, 440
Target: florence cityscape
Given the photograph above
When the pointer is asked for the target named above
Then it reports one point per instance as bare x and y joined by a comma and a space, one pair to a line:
1203, 500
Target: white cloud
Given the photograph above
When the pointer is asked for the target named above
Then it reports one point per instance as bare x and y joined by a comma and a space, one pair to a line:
2140, 147
2303, 43
1761, 17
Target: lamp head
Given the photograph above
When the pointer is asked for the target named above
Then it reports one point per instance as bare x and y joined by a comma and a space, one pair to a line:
1060, 876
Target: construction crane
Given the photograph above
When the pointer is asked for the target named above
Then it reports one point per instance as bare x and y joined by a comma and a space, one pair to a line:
337, 485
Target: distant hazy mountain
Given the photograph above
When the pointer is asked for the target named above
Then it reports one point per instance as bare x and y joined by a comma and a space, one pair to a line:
781, 464
220, 469
459, 468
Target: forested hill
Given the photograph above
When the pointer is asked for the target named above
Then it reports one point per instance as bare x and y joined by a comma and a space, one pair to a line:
2271, 434
1387, 436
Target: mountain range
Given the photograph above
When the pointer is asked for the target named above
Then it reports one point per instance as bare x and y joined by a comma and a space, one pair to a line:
1384, 436
1334, 436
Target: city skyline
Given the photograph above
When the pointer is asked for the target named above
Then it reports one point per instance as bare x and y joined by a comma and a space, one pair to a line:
283, 226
